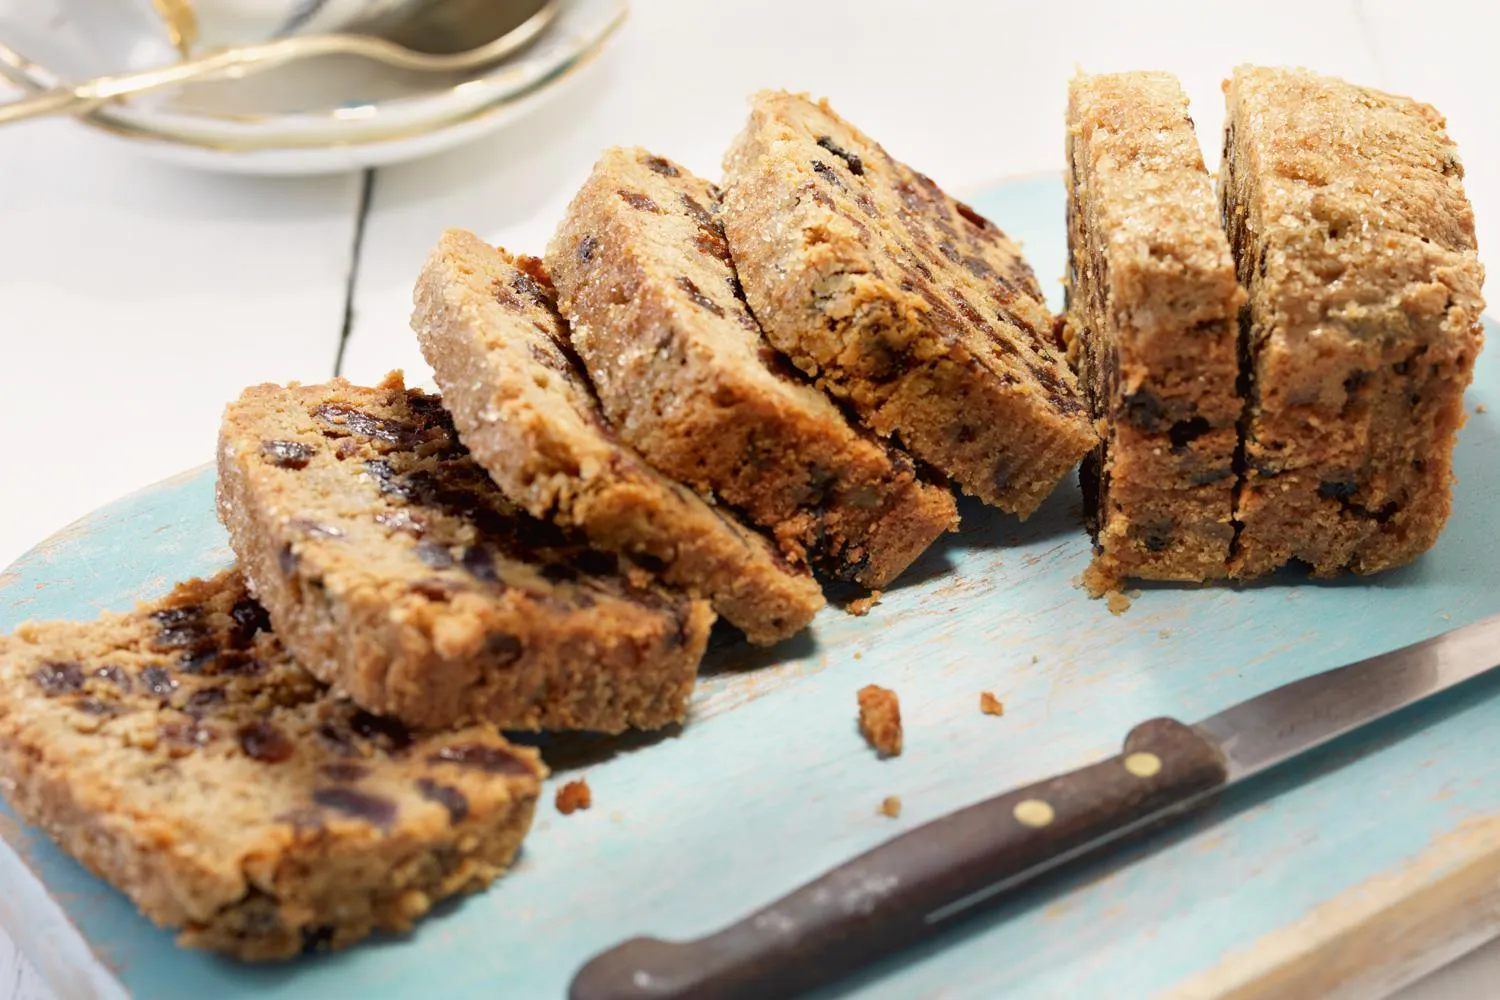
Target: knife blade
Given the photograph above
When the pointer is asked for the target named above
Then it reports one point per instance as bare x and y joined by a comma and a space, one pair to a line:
905, 889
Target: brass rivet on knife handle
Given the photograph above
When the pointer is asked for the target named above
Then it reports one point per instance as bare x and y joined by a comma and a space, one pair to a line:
1033, 813
1143, 765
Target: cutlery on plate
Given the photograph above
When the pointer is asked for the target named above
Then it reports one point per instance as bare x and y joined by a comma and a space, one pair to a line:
444, 36
906, 888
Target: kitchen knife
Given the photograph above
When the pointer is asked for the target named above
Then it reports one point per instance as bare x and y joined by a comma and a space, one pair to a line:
903, 890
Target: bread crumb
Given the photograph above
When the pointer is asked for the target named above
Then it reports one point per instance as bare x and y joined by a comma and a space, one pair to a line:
990, 705
1035, 658
1118, 603
1097, 582
574, 795
858, 655
1480, 408
891, 806
880, 719
861, 606
1165, 633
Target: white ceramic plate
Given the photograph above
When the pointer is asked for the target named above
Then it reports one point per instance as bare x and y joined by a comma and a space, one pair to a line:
319, 116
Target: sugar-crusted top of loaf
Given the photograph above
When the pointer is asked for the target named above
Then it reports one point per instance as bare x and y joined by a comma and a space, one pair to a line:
1151, 200
1355, 184
872, 229
404, 511
187, 724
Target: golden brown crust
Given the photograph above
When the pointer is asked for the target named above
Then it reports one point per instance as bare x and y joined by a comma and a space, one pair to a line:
177, 752
684, 374
394, 568
1346, 211
904, 303
1153, 323
523, 406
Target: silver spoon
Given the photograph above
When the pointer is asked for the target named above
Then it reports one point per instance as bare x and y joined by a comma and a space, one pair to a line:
444, 36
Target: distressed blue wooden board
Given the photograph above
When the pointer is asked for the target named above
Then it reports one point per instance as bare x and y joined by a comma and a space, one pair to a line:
769, 783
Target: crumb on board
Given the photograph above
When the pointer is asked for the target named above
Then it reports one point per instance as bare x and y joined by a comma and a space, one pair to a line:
860, 606
574, 795
880, 719
1118, 602
990, 705
1035, 658
1480, 408
1097, 582
858, 655
891, 806
1165, 633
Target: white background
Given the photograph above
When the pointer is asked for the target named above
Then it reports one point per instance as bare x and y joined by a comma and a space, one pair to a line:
136, 299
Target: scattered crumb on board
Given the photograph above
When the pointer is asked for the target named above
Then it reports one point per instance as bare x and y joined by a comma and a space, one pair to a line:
1118, 602
1165, 633
1034, 658
1097, 582
990, 705
891, 806
858, 655
1480, 408
861, 606
880, 719
574, 795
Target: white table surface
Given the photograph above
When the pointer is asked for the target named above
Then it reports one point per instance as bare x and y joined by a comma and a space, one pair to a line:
136, 299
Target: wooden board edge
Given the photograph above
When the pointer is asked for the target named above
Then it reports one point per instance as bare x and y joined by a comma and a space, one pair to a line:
1378, 936
45, 935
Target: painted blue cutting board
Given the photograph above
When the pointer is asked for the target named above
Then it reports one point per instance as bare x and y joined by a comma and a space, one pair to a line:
1354, 871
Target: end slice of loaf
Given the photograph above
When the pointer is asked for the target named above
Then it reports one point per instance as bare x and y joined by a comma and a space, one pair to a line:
1346, 211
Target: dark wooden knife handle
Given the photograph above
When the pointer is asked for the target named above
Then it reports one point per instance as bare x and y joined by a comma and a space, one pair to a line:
901, 891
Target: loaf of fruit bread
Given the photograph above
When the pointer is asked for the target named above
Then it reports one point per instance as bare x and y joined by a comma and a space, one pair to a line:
488, 324
395, 569
1153, 326
177, 752
645, 278
1350, 228
902, 302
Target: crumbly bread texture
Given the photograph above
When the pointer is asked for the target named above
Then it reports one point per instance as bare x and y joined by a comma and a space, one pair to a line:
645, 277
1350, 228
489, 326
903, 302
394, 568
1153, 327
177, 752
